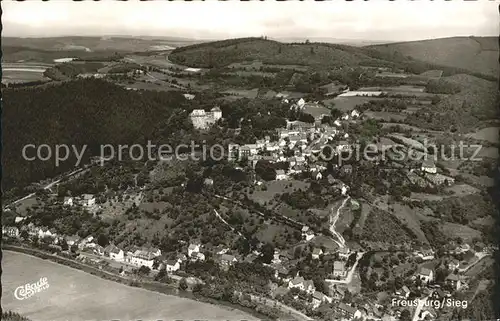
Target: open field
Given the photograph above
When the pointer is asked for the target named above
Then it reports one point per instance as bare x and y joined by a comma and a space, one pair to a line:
22, 75
113, 43
251, 93
23, 72
348, 103
487, 152
481, 265
76, 295
403, 89
276, 187
316, 110
462, 189
489, 134
150, 86
385, 116
456, 230
411, 218
478, 54
408, 127
247, 73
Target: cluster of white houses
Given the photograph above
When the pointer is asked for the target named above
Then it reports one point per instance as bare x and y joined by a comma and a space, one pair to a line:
303, 139
86, 200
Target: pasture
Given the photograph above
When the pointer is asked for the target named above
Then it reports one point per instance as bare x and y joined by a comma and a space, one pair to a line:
76, 295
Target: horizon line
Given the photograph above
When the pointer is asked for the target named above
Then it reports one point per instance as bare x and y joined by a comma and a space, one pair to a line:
159, 37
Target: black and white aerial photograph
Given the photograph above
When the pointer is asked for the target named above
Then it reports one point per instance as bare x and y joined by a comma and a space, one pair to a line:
261, 160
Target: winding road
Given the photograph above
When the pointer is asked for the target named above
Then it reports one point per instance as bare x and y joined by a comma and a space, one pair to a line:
420, 305
228, 225
333, 220
48, 186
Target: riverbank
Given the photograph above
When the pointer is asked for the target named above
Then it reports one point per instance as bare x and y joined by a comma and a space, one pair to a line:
146, 286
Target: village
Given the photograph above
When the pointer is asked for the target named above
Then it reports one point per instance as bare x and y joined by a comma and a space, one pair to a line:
304, 148
300, 146
427, 283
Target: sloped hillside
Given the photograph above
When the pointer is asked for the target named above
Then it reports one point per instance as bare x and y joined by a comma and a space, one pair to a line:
223, 53
477, 101
477, 54
84, 112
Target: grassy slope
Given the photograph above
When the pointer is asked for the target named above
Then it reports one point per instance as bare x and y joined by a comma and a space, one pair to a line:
477, 54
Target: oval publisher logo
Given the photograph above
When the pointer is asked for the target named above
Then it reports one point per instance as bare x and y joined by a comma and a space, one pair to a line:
29, 289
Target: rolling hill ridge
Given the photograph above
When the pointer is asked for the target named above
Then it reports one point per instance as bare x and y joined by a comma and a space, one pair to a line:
477, 54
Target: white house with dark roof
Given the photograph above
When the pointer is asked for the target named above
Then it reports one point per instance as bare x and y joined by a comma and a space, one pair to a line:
281, 175
87, 200
172, 265
68, 201
115, 253
46, 232
227, 260
281, 272
339, 269
453, 264
344, 252
425, 254
99, 250
142, 257
198, 256
317, 175
318, 298
193, 249
72, 240
347, 312
455, 281
426, 275
301, 284
404, 292
316, 253
307, 233
428, 166
343, 146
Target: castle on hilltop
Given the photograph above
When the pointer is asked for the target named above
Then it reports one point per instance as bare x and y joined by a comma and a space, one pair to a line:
202, 119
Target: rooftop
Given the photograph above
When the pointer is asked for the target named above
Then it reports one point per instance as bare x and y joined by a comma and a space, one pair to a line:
425, 271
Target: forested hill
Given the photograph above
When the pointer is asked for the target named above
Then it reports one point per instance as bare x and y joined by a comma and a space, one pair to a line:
223, 53
81, 112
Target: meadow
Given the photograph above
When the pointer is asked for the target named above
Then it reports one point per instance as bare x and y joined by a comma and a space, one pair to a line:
76, 295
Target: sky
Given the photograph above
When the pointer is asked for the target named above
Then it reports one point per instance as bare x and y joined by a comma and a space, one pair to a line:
371, 20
